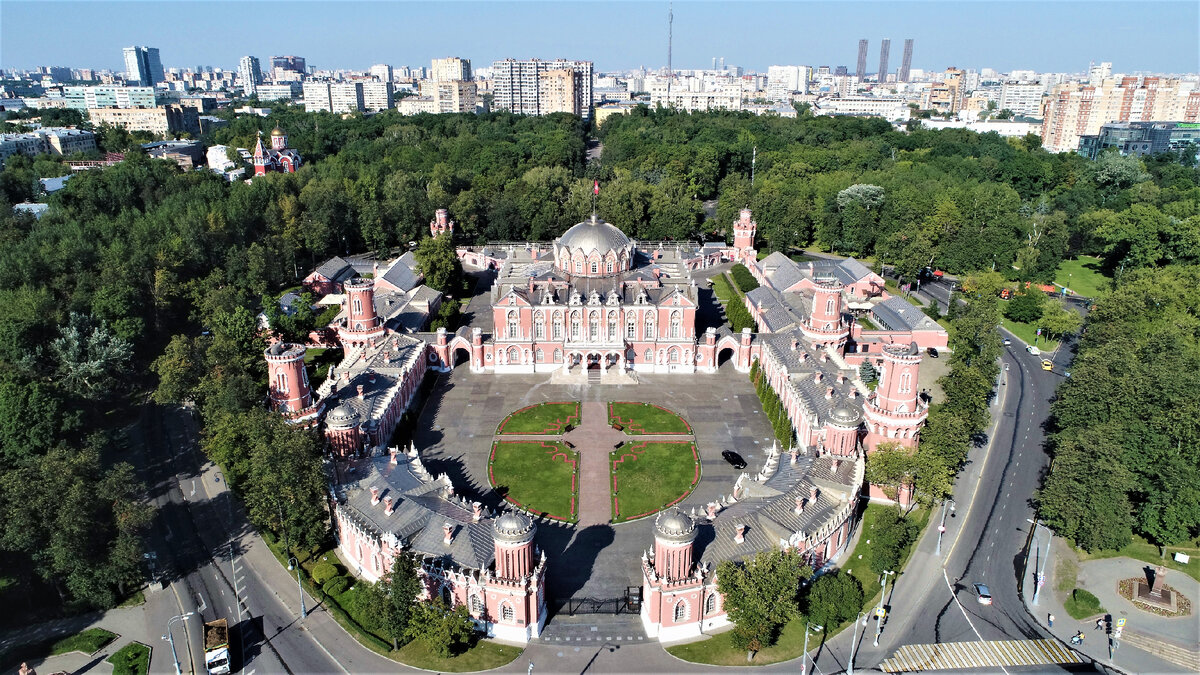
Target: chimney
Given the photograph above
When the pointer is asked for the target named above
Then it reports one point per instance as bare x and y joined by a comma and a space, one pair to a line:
803, 357
741, 533
712, 511
853, 394
346, 376
360, 391
476, 511
447, 533
834, 466
799, 505
841, 379
817, 376
812, 494
829, 393
387, 505
795, 344
374, 496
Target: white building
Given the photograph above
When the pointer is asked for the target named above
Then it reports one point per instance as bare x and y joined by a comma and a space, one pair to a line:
249, 74
517, 85
450, 69
413, 105
316, 97
783, 81
378, 95
1023, 98
346, 97
889, 108
275, 92
382, 72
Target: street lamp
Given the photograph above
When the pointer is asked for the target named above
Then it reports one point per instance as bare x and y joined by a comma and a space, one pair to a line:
804, 655
1041, 575
879, 610
942, 527
294, 564
854, 641
171, 639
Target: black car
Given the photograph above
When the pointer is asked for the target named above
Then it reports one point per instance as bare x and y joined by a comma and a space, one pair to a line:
932, 351
735, 460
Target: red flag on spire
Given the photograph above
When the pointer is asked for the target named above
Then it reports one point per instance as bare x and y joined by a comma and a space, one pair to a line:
596, 187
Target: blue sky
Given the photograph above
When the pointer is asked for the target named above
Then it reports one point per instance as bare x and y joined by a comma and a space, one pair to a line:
1047, 36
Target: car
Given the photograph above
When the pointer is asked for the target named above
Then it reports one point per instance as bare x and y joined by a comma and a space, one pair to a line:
984, 594
1047, 364
932, 351
1033, 350
1007, 342
735, 460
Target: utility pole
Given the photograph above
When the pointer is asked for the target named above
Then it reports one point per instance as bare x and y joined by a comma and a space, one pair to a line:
753, 162
854, 642
879, 610
670, 36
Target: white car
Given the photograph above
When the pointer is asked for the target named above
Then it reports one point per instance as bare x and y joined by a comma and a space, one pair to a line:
983, 593
1007, 342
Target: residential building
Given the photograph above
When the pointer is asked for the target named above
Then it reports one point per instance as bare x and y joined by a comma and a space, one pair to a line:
249, 74
1075, 109
382, 72
142, 66
947, 95
292, 64
275, 92
783, 81
905, 62
454, 96
517, 86
316, 97
30, 145
165, 120
1099, 72
861, 72
556, 91
695, 101
187, 154
109, 96
449, 69
377, 95
67, 141
1023, 98
346, 97
885, 51
1142, 138
890, 108
413, 105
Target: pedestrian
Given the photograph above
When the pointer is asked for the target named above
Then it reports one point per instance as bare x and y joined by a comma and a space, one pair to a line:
1099, 623
1050, 620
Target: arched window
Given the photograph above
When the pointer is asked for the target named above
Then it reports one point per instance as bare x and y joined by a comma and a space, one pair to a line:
578, 267
507, 615
676, 324
558, 356
575, 326
512, 326
281, 382
558, 328
514, 355
710, 604
649, 330
447, 596
539, 356
594, 267
476, 605
539, 326
593, 327
681, 611
829, 306
357, 306
905, 382
631, 327
612, 325
609, 267
648, 357
673, 355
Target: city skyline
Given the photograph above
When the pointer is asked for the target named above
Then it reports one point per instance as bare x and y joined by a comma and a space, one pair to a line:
484, 32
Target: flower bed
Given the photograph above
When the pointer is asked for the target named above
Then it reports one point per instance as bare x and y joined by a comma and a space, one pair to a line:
541, 419
638, 419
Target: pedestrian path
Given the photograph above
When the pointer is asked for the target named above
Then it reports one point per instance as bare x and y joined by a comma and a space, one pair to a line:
983, 654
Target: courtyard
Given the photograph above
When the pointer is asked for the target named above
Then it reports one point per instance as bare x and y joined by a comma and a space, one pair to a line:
457, 426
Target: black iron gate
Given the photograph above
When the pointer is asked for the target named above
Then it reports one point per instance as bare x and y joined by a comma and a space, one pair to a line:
631, 603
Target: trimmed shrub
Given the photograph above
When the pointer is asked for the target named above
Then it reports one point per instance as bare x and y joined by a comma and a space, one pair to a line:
323, 571
336, 586
743, 278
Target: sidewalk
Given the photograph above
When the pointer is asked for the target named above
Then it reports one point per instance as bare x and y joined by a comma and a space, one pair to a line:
128, 623
1150, 643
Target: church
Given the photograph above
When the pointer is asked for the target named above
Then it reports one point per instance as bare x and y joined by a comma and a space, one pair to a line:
279, 158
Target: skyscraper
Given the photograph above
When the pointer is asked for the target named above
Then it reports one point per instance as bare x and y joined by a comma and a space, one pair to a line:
250, 74
862, 60
517, 86
142, 66
906, 62
885, 50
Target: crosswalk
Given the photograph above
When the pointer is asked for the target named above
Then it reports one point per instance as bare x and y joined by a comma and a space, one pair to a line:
959, 655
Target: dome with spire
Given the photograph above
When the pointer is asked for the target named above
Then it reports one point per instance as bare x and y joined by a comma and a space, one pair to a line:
277, 131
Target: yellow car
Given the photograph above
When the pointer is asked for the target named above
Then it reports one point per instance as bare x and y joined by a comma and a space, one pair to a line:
1047, 364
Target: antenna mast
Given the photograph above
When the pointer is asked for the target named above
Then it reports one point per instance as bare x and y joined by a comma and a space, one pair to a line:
670, 36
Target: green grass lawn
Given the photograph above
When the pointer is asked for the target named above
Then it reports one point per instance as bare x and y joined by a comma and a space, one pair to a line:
723, 289
1082, 604
719, 650
484, 655
892, 288
543, 418
88, 641
1082, 275
858, 562
132, 659
1027, 332
646, 418
866, 323
311, 355
538, 476
651, 476
1140, 549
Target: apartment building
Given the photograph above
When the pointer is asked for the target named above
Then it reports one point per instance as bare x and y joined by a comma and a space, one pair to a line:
163, 121
1023, 98
109, 96
1074, 110
450, 69
454, 96
517, 86
378, 95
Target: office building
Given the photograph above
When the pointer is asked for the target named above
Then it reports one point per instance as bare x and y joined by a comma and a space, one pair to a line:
381, 72
293, 64
1023, 98
165, 120
1142, 138
109, 96
905, 62
250, 74
1074, 110
275, 92
377, 95
142, 66
894, 109
517, 86
885, 51
862, 60
449, 69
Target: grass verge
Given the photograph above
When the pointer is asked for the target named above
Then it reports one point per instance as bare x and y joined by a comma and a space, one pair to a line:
719, 650
648, 477
1140, 549
89, 641
858, 563
1027, 332
132, 659
1082, 604
543, 418
646, 418
537, 476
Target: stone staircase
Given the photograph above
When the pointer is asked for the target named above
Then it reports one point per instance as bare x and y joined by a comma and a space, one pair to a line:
1168, 651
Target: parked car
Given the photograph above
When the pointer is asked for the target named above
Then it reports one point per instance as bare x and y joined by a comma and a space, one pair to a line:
1007, 341
984, 594
735, 460
932, 351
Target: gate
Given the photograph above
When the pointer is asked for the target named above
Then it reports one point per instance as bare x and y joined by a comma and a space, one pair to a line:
631, 603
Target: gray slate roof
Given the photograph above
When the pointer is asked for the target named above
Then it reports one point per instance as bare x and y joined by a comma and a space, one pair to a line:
896, 313
334, 268
403, 273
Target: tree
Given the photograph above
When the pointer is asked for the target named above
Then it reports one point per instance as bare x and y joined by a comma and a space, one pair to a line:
760, 595
444, 630
890, 533
867, 372
91, 362
1026, 307
178, 369
833, 598
865, 195
437, 260
285, 486
392, 600
1058, 320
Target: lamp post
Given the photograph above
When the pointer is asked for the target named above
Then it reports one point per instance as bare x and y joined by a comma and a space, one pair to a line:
942, 527
294, 564
1041, 575
854, 642
804, 656
171, 639
879, 610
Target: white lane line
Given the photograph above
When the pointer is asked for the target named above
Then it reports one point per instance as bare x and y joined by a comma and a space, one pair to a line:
946, 577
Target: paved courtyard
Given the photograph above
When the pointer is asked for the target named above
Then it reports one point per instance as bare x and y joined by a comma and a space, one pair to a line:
456, 425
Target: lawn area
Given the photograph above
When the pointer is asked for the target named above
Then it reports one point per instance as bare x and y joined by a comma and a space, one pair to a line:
1082, 275
484, 655
723, 289
89, 641
892, 288
646, 418
719, 650
543, 418
132, 659
311, 355
858, 562
648, 477
1140, 549
1027, 332
539, 477
866, 323
1082, 604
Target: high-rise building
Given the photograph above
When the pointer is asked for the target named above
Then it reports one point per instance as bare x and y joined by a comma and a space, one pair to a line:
1097, 73
517, 86
862, 60
782, 81
556, 91
450, 69
316, 97
905, 62
250, 74
1074, 110
294, 64
885, 50
377, 95
1023, 98
109, 96
454, 96
143, 66
382, 72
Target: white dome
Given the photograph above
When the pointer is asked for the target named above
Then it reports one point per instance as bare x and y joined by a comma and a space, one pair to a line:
594, 235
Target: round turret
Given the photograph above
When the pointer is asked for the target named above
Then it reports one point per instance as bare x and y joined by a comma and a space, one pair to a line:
514, 528
845, 416
674, 526
342, 417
